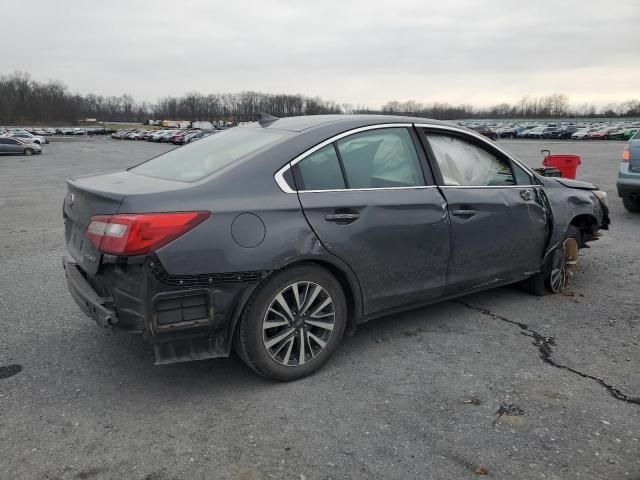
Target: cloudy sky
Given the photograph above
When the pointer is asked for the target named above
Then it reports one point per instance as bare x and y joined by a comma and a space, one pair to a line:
367, 52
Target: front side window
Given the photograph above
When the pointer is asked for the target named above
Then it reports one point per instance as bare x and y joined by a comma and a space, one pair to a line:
380, 158
199, 159
463, 163
521, 175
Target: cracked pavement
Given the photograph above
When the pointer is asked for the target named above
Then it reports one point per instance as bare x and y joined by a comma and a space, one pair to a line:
500, 384
545, 348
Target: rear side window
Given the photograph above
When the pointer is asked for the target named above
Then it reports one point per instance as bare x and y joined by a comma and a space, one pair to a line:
320, 170
463, 163
199, 159
380, 158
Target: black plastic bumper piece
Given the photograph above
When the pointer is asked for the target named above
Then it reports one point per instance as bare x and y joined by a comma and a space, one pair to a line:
190, 349
96, 307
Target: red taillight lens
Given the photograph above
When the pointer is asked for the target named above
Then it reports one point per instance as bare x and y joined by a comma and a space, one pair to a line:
138, 234
625, 154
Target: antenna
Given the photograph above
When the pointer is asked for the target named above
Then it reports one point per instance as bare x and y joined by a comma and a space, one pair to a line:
265, 119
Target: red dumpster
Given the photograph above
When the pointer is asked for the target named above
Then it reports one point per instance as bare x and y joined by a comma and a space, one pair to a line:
567, 164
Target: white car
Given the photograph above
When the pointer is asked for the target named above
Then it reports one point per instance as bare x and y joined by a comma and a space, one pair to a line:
28, 137
582, 134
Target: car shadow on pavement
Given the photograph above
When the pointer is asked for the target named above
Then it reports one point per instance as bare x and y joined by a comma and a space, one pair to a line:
128, 359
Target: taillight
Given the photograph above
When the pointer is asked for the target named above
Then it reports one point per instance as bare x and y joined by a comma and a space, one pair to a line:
625, 153
138, 234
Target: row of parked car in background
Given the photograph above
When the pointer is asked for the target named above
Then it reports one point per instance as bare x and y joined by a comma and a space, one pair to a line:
67, 131
559, 131
177, 137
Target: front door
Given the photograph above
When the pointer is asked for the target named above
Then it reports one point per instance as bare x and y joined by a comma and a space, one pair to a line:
366, 198
498, 216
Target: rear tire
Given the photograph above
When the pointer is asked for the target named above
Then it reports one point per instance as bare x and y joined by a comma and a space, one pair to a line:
559, 274
28, 152
632, 205
292, 324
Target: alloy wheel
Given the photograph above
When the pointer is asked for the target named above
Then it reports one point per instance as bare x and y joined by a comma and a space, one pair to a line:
562, 274
298, 323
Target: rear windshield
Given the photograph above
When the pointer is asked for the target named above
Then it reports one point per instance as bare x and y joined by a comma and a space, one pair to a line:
204, 157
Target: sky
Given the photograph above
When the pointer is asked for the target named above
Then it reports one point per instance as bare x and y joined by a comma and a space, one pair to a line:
364, 53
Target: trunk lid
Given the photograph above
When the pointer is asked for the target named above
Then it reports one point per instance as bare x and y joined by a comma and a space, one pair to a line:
101, 195
81, 203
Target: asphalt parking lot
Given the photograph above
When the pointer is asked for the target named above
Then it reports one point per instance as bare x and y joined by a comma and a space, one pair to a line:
500, 383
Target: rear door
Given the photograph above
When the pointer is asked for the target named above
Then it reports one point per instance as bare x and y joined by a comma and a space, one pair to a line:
498, 215
370, 201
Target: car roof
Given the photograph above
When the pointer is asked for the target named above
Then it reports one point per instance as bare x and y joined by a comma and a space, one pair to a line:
307, 122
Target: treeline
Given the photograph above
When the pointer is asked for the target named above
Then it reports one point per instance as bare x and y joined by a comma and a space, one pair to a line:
24, 100
27, 101
551, 106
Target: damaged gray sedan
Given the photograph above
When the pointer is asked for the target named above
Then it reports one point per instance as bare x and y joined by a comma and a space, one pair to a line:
272, 238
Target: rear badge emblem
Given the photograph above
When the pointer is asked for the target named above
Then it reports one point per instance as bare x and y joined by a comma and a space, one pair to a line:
91, 258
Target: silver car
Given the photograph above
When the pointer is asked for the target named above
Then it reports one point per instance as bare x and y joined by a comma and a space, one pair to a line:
17, 145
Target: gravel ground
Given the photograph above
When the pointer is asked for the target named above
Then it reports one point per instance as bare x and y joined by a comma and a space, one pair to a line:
499, 383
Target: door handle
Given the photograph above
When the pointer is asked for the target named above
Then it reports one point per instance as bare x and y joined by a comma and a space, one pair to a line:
342, 217
526, 195
464, 213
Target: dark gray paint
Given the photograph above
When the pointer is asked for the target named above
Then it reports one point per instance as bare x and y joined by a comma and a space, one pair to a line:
503, 240
247, 230
405, 249
398, 247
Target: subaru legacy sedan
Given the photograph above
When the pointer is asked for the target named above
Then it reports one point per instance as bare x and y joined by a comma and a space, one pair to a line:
272, 238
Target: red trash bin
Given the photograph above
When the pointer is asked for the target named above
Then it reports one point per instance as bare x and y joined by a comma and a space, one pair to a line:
567, 164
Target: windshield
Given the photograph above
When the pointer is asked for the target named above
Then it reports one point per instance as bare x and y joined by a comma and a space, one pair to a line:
197, 160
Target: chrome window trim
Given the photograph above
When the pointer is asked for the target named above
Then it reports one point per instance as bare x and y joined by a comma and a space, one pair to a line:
417, 187
489, 186
483, 139
284, 186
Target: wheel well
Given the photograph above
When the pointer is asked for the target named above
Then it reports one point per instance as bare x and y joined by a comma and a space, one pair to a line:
353, 309
585, 223
349, 294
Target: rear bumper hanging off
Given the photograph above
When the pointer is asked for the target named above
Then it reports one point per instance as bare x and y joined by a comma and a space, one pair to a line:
184, 318
96, 307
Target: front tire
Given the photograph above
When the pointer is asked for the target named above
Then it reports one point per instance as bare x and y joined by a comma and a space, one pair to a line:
558, 276
28, 152
292, 324
631, 204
